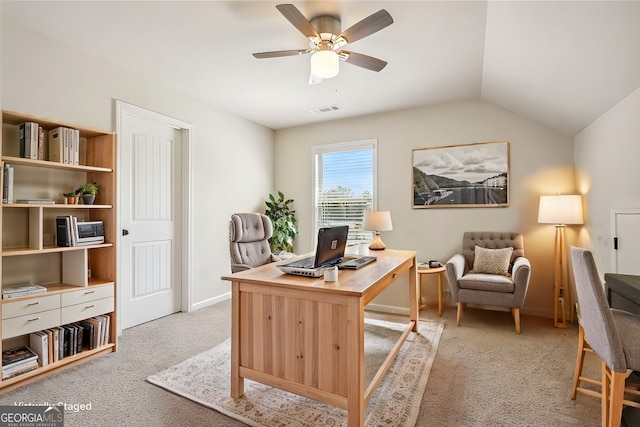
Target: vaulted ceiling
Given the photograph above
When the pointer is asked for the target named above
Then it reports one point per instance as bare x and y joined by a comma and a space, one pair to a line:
560, 63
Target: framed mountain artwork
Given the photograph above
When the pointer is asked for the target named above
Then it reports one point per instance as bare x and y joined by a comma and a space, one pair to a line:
461, 176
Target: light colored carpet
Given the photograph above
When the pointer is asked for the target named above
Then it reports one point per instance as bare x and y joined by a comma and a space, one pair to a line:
484, 374
204, 378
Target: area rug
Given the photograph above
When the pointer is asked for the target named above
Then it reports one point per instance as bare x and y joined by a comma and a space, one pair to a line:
205, 379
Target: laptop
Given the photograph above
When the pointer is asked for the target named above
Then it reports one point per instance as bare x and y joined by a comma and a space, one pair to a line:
332, 242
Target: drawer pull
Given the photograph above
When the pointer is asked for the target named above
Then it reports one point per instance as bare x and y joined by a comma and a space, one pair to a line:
90, 306
89, 292
33, 320
33, 303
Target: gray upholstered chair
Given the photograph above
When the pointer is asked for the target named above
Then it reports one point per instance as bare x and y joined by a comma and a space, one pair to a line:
614, 335
491, 271
249, 235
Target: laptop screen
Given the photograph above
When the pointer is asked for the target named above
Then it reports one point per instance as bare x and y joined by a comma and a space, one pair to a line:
332, 242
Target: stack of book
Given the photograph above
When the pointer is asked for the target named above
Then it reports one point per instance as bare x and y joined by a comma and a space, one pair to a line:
64, 145
18, 361
31, 141
22, 291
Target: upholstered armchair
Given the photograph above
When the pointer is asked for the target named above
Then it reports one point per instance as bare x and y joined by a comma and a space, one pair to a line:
491, 271
249, 235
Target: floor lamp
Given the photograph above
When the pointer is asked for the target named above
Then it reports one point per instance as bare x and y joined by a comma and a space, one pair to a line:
560, 210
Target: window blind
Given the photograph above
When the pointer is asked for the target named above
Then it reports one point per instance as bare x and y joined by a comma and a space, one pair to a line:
344, 186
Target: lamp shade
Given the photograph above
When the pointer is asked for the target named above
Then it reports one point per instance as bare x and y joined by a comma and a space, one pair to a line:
377, 221
325, 64
561, 209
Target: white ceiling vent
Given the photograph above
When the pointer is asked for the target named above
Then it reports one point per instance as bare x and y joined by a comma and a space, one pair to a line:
325, 109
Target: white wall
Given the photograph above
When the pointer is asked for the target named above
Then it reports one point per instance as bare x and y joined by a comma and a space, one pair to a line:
606, 157
541, 163
232, 167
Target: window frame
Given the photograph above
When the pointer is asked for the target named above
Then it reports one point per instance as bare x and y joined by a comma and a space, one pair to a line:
366, 144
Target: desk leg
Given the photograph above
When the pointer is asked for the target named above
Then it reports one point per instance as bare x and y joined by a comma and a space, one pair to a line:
440, 294
355, 363
414, 292
237, 382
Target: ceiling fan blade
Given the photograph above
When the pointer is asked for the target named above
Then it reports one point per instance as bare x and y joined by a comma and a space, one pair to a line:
280, 53
298, 20
367, 26
364, 61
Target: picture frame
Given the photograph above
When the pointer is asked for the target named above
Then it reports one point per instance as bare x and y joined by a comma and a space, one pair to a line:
461, 176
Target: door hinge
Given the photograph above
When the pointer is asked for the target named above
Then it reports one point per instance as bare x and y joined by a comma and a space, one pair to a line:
615, 243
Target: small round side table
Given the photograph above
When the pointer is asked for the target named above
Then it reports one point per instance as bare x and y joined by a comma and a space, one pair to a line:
434, 270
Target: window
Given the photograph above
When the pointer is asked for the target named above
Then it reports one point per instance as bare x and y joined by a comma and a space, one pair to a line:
344, 186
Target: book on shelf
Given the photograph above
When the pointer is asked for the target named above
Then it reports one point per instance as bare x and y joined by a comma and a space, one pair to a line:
18, 361
7, 183
55, 145
88, 329
22, 291
64, 145
39, 344
49, 334
36, 201
29, 135
63, 231
17, 355
41, 144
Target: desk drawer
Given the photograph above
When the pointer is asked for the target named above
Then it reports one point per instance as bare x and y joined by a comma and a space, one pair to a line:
74, 313
86, 294
33, 322
29, 306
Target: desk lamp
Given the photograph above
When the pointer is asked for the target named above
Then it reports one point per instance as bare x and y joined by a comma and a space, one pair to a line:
377, 221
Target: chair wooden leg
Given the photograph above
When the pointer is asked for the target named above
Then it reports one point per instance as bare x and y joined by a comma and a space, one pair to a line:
605, 394
616, 396
460, 307
516, 317
579, 362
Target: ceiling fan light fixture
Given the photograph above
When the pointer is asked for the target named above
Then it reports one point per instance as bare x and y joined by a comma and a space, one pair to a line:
325, 64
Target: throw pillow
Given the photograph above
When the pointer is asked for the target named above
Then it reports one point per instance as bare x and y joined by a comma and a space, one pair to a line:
492, 261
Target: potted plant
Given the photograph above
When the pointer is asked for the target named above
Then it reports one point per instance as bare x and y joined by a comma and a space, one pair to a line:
284, 222
88, 192
70, 198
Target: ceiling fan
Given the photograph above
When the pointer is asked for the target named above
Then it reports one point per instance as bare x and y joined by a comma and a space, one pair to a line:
326, 41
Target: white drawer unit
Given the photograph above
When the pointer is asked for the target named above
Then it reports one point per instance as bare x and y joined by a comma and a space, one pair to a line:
86, 294
29, 306
77, 312
30, 323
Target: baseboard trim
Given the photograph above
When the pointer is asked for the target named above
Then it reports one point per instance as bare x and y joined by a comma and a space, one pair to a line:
211, 301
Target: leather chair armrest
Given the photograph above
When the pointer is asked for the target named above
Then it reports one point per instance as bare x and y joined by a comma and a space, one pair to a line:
455, 270
521, 273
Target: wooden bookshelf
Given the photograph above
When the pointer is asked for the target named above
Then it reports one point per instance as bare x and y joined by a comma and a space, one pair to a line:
81, 280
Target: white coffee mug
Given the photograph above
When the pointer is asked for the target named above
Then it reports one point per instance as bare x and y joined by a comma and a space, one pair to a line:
331, 274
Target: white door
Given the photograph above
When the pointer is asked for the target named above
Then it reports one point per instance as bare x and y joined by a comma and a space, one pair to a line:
150, 260
626, 247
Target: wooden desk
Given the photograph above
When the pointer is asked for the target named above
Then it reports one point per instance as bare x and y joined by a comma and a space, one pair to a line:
306, 335
432, 270
623, 291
